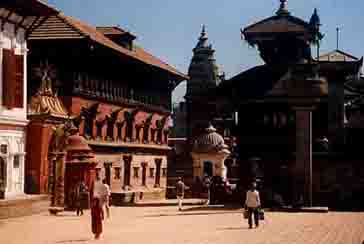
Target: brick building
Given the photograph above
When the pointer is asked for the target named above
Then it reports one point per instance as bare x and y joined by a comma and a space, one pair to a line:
119, 97
17, 21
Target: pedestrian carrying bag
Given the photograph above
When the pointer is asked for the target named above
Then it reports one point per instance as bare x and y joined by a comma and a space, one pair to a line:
261, 214
246, 214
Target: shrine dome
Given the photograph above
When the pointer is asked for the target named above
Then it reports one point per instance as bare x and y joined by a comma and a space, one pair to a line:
77, 143
78, 151
210, 142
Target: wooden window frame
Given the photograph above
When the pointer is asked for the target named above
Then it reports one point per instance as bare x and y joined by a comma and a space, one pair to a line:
13, 79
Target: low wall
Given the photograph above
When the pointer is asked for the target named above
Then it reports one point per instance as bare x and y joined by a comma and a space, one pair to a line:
24, 206
133, 197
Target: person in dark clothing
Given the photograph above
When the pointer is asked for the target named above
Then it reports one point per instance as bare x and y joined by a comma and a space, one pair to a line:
97, 216
180, 187
81, 191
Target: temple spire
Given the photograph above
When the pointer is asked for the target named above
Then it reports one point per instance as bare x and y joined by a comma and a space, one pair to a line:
283, 8
203, 32
202, 41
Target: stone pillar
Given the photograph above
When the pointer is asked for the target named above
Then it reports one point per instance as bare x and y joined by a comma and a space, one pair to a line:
303, 167
51, 181
59, 194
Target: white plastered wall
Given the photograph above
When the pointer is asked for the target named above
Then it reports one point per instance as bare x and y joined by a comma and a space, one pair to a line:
14, 141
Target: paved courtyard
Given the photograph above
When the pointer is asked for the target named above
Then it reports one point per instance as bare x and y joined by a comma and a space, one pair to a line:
161, 225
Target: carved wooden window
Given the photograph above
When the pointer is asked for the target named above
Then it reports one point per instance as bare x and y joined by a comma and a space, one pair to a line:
19, 81
151, 172
9, 74
117, 173
136, 172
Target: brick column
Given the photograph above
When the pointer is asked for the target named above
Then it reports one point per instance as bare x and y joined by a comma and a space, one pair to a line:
59, 179
303, 166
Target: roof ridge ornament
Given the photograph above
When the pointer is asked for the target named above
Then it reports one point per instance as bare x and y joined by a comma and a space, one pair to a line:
202, 40
203, 33
283, 8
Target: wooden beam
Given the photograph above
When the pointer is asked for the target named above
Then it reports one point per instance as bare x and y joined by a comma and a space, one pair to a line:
35, 26
31, 26
6, 20
11, 22
20, 24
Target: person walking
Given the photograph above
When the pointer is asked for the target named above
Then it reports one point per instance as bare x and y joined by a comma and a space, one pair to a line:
252, 205
99, 191
81, 191
207, 184
97, 216
107, 194
180, 187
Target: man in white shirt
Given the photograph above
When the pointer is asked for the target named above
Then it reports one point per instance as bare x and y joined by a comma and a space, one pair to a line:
252, 205
107, 197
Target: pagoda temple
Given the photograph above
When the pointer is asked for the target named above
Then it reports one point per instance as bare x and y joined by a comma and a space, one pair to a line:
297, 118
291, 113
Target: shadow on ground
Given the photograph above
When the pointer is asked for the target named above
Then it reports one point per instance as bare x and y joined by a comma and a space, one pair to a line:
233, 228
201, 210
183, 213
74, 241
213, 207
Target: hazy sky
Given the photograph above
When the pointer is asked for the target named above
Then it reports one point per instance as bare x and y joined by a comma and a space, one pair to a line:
169, 29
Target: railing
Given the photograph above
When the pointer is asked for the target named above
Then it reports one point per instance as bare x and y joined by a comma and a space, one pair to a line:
112, 92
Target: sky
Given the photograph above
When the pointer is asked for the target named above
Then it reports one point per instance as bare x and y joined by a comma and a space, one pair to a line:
169, 29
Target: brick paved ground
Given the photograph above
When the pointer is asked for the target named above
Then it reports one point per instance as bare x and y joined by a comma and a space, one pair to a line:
162, 225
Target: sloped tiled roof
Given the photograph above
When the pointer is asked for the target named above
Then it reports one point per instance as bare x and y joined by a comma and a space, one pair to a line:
110, 30
252, 83
66, 27
277, 24
29, 7
337, 56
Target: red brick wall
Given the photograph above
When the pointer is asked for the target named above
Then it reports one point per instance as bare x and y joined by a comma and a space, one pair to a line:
36, 167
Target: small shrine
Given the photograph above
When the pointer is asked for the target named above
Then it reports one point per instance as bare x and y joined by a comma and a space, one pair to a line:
80, 166
209, 153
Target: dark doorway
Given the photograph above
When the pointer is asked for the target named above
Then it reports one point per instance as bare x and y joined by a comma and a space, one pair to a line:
2, 178
158, 163
144, 174
127, 168
207, 168
107, 166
